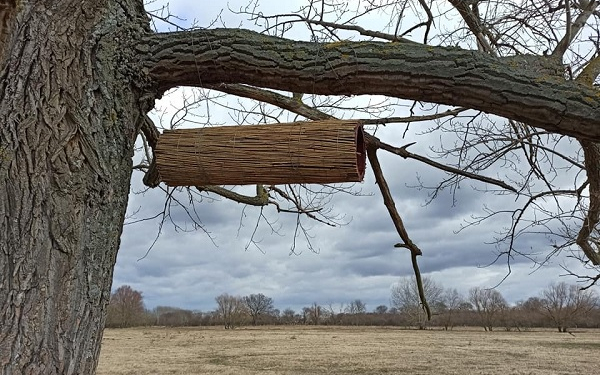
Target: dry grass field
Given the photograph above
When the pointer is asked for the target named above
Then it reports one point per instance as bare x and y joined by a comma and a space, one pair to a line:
346, 350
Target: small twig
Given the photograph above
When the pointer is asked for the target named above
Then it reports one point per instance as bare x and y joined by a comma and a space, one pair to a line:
403, 152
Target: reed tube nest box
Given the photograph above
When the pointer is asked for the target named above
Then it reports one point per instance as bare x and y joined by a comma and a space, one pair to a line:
314, 152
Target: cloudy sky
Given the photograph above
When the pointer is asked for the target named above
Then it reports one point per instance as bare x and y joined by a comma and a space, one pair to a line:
188, 269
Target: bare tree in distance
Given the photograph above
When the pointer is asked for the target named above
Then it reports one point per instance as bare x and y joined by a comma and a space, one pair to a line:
529, 313
405, 296
564, 304
452, 302
231, 309
335, 312
381, 309
356, 306
520, 80
126, 308
257, 305
489, 304
313, 314
288, 316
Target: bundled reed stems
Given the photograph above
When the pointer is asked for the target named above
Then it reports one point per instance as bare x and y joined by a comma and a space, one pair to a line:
302, 152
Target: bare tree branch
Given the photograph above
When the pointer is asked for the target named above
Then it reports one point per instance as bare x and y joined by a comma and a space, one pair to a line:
469, 13
573, 28
261, 198
407, 243
276, 99
403, 152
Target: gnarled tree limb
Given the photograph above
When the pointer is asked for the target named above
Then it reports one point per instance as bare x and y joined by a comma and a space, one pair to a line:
443, 75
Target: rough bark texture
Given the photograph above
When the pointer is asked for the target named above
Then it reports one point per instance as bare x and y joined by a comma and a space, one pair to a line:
515, 88
587, 236
68, 120
73, 97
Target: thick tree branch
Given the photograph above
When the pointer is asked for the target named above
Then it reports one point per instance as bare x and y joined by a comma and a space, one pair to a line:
585, 239
591, 153
450, 76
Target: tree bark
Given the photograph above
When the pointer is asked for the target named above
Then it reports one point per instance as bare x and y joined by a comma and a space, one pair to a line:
586, 236
69, 115
525, 89
73, 95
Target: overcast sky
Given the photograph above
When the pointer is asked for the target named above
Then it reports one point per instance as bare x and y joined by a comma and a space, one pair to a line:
353, 261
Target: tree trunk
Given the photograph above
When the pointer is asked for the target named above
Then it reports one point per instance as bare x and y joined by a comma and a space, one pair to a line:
69, 114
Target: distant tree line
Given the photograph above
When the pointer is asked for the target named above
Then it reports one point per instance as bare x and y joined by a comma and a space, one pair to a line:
561, 306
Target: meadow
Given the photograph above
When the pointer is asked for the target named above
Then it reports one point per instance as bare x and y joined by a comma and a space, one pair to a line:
346, 350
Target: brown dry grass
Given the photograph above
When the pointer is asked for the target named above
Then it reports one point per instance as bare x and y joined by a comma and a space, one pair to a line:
345, 350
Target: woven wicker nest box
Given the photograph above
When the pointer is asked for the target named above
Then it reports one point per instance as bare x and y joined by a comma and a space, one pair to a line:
293, 153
